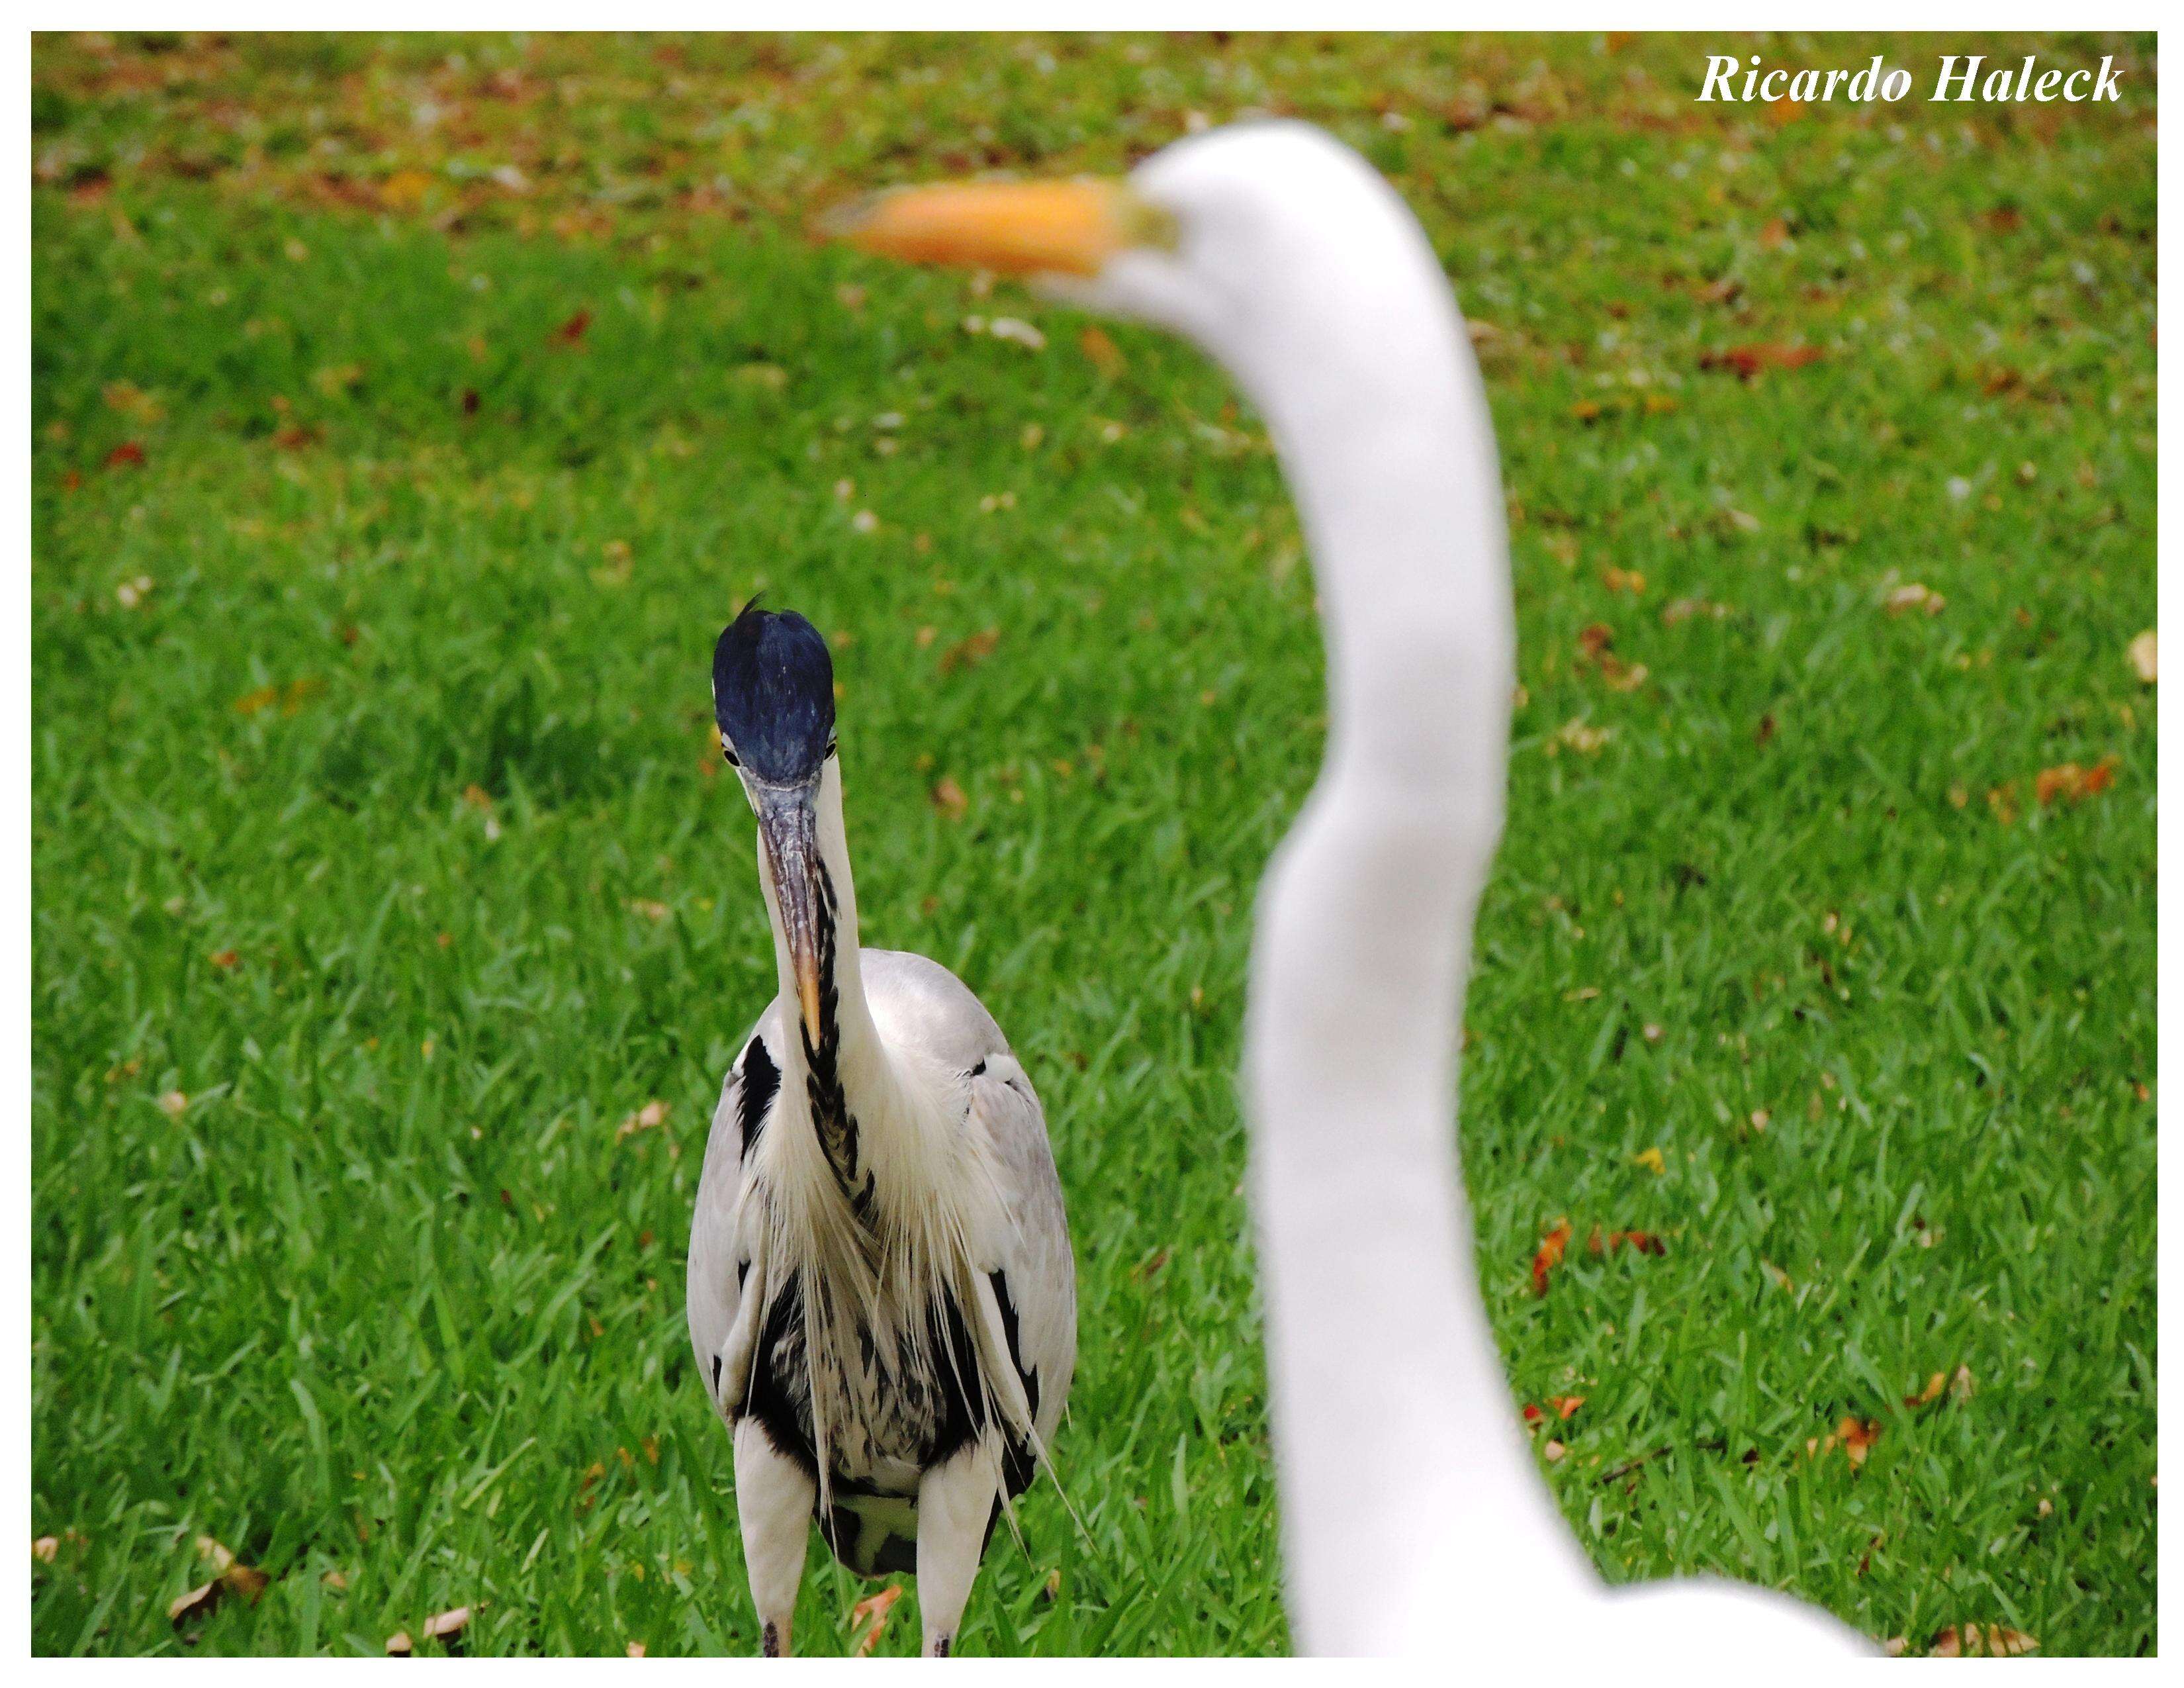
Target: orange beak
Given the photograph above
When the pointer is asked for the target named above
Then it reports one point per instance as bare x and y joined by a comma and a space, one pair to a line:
1014, 228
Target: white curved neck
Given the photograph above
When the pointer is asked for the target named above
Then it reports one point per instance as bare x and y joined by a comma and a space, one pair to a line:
1397, 1440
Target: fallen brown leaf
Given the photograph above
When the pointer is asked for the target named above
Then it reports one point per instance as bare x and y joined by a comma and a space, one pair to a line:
1101, 351
1914, 596
2068, 780
1975, 1641
873, 1612
2143, 661
230, 1576
1549, 1255
949, 798
127, 455
1746, 361
445, 1626
1645, 1242
237, 1578
1936, 1385
969, 652
571, 332
399, 1645
652, 1113
1854, 1437
196, 1603
1576, 736
45, 1549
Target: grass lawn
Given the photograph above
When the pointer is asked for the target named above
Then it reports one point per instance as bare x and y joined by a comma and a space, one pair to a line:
410, 416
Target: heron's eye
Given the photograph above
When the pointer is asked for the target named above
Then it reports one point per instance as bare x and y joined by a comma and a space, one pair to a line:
730, 754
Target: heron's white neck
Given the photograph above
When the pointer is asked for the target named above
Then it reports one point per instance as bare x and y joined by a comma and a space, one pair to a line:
1394, 1428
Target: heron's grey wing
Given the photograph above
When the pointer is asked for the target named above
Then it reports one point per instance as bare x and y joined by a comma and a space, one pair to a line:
1034, 1277
719, 1253
1029, 1295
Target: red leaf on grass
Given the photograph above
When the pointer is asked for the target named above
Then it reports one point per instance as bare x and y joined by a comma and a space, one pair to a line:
1748, 360
2069, 780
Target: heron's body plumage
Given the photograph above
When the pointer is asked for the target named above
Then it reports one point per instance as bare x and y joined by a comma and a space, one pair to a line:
881, 1298
910, 1391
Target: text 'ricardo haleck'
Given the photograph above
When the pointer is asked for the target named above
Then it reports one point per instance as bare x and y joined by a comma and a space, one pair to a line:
1959, 79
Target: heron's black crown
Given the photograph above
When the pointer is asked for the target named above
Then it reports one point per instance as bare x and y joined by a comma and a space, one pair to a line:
773, 694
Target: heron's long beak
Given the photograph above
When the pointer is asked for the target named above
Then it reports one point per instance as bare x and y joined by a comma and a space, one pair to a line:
1015, 228
787, 832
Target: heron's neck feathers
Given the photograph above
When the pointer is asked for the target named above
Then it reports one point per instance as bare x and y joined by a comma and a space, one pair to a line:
1394, 1424
871, 1195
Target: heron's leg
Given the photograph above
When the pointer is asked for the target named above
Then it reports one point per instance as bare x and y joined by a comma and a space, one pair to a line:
773, 1509
955, 1505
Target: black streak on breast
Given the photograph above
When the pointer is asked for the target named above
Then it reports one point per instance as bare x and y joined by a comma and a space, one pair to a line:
761, 1084
822, 1071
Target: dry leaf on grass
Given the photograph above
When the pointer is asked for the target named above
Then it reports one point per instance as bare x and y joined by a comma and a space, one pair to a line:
1644, 1241
1652, 1160
1914, 596
1101, 352
445, 1626
2068, 780
1854, 1437
868, 1618
1576, 735
652, 1113
230, 1576
949, 798
1982, 1641
968, 652
1958, 1387
2143, 662
196, 1603
1550, 1254
45, 1549
399, 1645
1746, 361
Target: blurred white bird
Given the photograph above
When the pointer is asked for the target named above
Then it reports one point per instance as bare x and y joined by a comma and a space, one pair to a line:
1414, 1518
881, 1297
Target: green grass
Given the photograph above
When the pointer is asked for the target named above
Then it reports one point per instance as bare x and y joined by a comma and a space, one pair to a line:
418, 929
